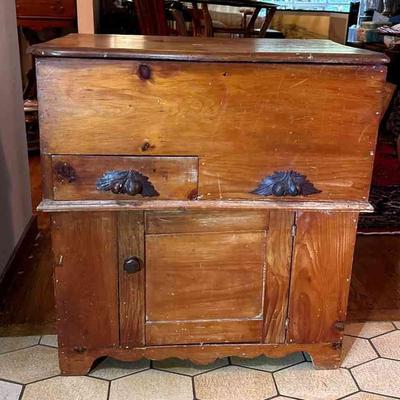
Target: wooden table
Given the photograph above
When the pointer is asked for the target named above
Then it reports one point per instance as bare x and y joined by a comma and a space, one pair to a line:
204, 193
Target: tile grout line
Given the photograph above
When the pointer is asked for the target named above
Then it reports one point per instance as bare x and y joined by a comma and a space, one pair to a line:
193, 388
108, 390
21, 348
348, 395
354, 379
22, 392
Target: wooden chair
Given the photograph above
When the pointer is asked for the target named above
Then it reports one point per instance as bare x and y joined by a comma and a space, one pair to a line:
161, 17
151, 17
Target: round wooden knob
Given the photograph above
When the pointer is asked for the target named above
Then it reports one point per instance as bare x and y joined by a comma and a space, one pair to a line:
144, 71
132, 265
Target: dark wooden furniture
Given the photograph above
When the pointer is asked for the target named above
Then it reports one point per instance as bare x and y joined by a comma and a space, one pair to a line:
165, 17
173, 234
42, 14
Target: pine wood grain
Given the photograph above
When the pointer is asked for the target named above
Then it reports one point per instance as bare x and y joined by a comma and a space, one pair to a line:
172, 177
103, 107
194, 332
278, 259
204, 276
205, 221
267, 204
131, 285
324, 355
205, 49
320, 279
86, 280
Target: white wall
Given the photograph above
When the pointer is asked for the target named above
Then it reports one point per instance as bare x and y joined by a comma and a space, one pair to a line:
15, 200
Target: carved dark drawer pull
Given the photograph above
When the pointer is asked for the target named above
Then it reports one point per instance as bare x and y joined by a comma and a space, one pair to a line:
144, 71
132, 265
129, 182
285, 183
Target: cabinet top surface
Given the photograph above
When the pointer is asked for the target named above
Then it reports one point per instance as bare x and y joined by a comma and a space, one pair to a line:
206, 49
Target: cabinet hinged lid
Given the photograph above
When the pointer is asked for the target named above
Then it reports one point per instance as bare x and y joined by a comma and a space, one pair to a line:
180, 48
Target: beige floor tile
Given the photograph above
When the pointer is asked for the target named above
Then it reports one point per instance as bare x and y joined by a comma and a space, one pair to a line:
368, 329
388, 345
234, 382
379, 376
356, 351
269, 364
304, 382
9, 391
282, 398
152, 385
367, 396
29, 365
49, 340
397, 324
67, 388
14, 343
187, 367
113, 369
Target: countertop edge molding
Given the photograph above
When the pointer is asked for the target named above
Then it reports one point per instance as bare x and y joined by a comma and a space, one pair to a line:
120, 205
168, 48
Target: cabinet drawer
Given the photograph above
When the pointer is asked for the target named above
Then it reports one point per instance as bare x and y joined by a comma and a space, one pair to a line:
115, 177
46, 8
243, 121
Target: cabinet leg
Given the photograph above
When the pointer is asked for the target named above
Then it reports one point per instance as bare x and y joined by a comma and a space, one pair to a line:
326, 359
70, 364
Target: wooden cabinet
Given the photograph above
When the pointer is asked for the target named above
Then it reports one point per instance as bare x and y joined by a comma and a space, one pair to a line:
41, 14
204, 193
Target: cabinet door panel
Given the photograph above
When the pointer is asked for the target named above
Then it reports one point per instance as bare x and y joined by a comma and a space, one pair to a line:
218, 331
204, 276
321, 272
86, 276
131, 285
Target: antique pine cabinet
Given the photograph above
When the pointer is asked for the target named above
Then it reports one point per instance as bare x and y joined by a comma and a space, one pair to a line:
204, 193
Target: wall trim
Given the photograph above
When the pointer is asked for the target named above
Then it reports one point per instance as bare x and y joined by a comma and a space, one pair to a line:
27, 239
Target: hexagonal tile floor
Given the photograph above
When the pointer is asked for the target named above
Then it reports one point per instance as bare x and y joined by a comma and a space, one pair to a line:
370, 370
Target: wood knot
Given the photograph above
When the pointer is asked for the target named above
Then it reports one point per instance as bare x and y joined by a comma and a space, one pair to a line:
147, 146
339, 326
337, 345
144, 72
65, 172
193, 194
80, 349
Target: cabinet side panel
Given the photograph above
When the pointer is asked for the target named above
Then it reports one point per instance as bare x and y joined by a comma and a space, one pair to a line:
86, 277
131, 285
279, 253
321, 272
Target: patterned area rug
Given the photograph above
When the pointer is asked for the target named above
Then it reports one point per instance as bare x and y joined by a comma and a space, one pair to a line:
386, 218
385, 192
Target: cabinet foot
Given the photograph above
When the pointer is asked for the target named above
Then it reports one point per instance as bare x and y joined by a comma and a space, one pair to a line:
326, 359
75, 365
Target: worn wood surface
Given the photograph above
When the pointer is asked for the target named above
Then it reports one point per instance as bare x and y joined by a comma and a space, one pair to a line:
86, 280
131, 285
59, 9
205, 221
268, 204
172, 177
204, 276
324, 355
195, 332
278, 260
320, 279
46, 176
205, 49
103, 107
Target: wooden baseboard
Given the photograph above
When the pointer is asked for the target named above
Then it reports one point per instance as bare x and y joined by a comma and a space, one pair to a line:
25, 242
